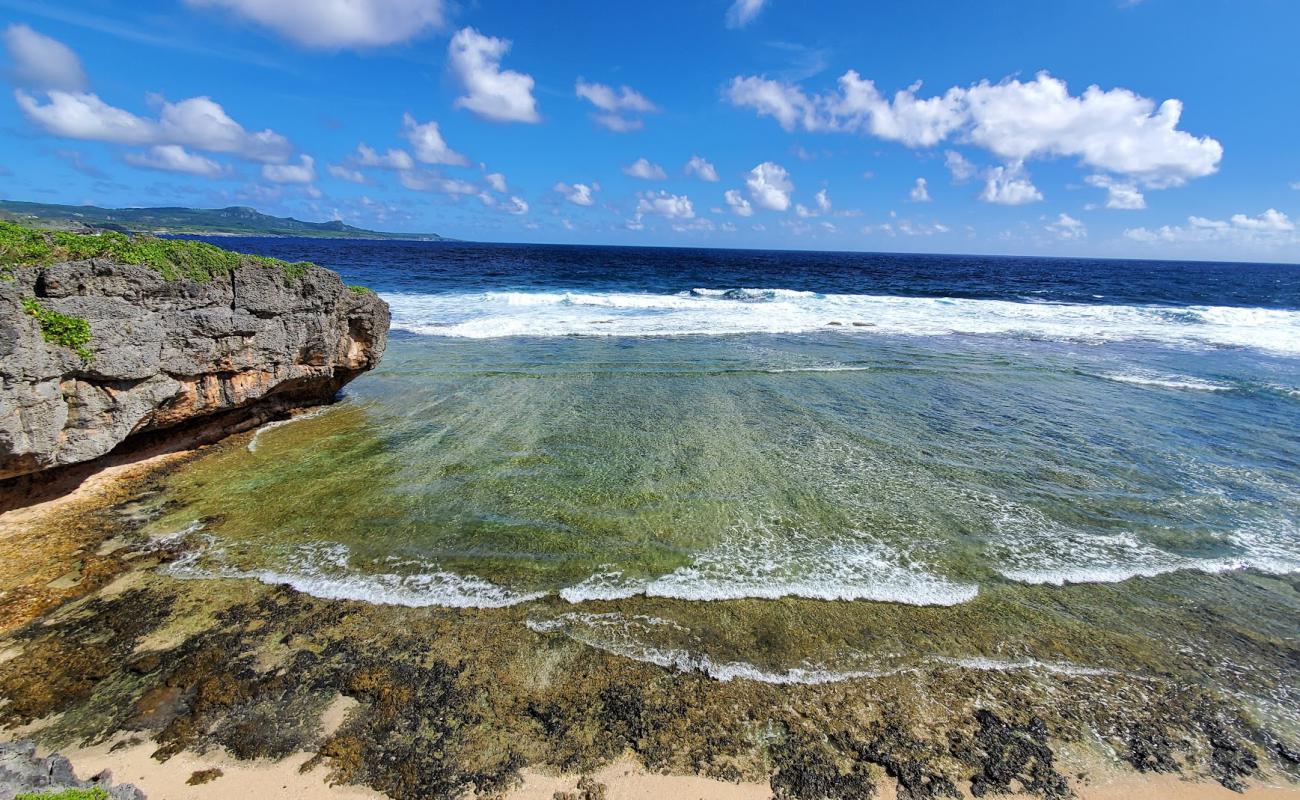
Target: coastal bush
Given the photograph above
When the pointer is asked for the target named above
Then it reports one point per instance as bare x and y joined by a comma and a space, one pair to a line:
93, 793
61, 329
172, 258
360, 289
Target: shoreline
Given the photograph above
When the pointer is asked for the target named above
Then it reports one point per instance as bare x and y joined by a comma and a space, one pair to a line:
623, 779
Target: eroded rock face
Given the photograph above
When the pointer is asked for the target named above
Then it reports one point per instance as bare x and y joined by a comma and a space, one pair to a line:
167, 354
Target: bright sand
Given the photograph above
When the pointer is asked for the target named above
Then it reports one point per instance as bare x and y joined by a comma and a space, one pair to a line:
624, 780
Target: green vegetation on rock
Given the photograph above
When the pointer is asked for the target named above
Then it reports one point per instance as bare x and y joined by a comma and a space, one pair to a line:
172, 258
360, 289
61, 329
94, 793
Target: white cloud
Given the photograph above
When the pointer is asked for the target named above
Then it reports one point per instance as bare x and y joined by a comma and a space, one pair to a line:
705, 170
1067, 227
419, 180
1269, 228
199, 123
606, 98
1009, 186
1119, 194
339, 23
803, 211
367, 156
346, 173
642, 168
580, 194
961, 169
1295, 185
743, 12
497, 181
739, 205
174, 158
515, 206
427, 142
909, 228
492, 93
85, 116
823, 201
40, 62
1116, 131
770, 186
202, 123
919, 193
302, 172
667, 205
618, 123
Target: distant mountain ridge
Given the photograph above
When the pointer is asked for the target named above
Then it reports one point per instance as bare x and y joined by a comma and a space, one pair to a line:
231, 221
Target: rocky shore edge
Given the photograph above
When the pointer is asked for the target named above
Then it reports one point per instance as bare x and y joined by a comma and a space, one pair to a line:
112, 345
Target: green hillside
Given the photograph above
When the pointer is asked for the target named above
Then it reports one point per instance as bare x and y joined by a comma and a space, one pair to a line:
232, 221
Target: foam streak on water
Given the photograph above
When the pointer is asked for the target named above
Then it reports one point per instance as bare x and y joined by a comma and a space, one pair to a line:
480, 315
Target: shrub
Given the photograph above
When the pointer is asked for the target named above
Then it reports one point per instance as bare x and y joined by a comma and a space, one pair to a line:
61, 329
93, 793
360, 289
172, 258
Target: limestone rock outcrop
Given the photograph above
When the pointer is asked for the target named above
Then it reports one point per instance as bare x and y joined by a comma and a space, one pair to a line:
168, 354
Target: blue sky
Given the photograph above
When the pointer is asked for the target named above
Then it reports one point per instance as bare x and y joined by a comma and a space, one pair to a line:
921, 126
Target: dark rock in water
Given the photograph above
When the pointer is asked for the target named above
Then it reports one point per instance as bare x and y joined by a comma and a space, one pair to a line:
22, 772
864, 324
170, 355
1009, 752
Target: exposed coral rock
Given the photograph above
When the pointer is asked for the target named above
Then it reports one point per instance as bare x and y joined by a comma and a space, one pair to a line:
22, 772
167, 354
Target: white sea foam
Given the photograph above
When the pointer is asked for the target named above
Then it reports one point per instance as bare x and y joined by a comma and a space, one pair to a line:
752, 561
1033, 549
280, 423
733, 311
1167, 381
631, 637
324, 570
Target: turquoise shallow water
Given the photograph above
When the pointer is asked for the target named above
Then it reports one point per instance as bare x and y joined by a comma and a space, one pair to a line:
808, 484
832, 466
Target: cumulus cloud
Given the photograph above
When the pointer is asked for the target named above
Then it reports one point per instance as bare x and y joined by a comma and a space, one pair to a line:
743, 12
497, 181
642, 168
670, 206
770, 186
962, 170
198, 123
515, 205
393, 158
618, 105
1115, 131
302, 172
1067, 227
823, 199
174, 158
1009, 186
703, 169
491, 92
1119, 194
739, 205
40, 62
418, 180
580, 194
427, 143
339, 23
346, 173
919, 193
1271, 227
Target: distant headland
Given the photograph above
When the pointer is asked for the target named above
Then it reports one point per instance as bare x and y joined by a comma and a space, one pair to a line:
231, 221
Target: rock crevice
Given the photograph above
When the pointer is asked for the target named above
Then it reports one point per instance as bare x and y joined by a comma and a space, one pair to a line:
168, 355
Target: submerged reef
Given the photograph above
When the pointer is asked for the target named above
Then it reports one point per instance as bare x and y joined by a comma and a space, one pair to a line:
109, 341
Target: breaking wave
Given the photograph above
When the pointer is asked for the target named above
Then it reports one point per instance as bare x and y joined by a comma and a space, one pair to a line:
483, 315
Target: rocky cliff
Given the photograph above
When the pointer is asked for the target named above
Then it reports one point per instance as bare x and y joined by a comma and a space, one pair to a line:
96, 353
